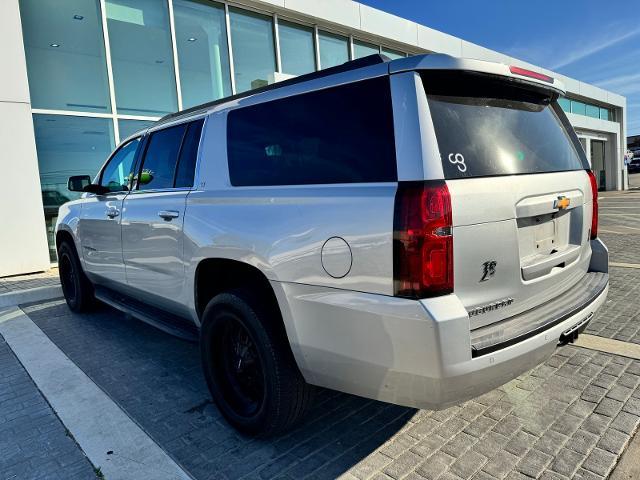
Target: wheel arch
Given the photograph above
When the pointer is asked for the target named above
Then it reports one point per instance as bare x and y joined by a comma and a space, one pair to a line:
216, 275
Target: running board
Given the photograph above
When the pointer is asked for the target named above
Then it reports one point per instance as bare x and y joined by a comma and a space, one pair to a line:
167, 322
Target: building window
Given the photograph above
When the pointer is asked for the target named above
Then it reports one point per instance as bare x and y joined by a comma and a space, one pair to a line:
254, 61
592, 111
364, 49
141, 57
129, 127
334, 49
297, 52
67, 146
65, 55
605, 114
392, 54
203, 59
578, 108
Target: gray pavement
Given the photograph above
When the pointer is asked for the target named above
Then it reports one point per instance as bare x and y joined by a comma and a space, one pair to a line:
572, 417
33, 441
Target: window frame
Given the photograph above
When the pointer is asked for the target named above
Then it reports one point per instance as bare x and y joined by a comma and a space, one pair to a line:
137, 153
145, 146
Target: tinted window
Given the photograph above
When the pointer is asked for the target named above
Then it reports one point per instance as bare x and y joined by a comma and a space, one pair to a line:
486, 126
116, 174
159, 164
338, 135
189, 155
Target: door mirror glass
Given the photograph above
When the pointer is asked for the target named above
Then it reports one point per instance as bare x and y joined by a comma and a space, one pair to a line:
77, 183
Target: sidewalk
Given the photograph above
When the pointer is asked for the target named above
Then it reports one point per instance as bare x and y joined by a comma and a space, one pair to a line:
33, 287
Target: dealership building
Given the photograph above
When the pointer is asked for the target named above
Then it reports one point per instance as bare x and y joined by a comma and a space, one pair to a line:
80, 75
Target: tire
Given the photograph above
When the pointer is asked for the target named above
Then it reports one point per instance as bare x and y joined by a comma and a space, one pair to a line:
77, 288
266, 394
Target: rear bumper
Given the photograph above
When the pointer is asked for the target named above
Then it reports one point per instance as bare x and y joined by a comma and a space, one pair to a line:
406, 352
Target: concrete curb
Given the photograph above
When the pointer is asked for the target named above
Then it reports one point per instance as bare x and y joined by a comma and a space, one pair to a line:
29, 295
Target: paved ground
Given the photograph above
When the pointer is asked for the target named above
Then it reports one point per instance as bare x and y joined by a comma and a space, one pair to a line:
33, 442
571, 417
34, 280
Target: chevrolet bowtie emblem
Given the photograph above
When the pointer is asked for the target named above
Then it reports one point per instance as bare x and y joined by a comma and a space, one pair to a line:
561, 203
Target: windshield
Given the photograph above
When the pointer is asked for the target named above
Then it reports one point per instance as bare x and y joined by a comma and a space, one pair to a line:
487, 126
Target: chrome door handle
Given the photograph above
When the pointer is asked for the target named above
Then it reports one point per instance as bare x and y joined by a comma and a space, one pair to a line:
168, 214
113, 212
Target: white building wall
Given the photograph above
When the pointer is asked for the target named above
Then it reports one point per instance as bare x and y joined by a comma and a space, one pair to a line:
23, 242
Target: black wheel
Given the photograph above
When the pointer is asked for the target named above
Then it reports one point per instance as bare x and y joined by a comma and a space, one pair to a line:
248, 365
77, 288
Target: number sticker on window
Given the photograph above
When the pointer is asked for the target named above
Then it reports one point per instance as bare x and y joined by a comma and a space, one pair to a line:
458, 160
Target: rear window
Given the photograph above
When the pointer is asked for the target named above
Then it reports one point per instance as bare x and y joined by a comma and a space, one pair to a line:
487, 126
338, 135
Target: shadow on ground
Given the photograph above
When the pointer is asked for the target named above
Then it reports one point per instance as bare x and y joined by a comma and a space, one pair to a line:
157, 380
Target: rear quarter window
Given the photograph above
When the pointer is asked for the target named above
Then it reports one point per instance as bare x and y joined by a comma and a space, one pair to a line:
341, 134
487, 126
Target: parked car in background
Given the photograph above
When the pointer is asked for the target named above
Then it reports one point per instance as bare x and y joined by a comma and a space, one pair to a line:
417, 231
634, 164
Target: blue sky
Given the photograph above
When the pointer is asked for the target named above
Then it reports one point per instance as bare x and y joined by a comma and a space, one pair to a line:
596, 41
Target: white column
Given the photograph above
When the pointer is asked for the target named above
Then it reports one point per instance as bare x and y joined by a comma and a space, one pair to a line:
23, 240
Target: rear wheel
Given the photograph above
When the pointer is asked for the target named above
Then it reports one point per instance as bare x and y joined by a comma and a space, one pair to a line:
77, 288
249, 366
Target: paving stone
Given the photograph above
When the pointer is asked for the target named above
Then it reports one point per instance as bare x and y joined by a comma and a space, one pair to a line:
533, 463
613, 441
600, 462
582, 441
501, 464
566, 462
435, 465
466, 465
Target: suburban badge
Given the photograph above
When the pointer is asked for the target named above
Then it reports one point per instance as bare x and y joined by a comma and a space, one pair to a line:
488, 270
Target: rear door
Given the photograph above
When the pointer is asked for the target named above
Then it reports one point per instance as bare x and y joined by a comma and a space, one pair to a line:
520, 193
153, 213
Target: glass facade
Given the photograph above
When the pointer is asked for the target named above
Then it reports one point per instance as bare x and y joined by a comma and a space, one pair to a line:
66, 60
587, 109
203, 56
90, 89
334, 49
144, 76
364, 49
129, 127
254, 60
68, 145
297, 51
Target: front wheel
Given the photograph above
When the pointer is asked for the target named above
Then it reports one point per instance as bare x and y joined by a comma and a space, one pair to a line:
76, 287
249, 366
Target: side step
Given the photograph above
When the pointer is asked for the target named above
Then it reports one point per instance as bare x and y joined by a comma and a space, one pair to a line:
167, 322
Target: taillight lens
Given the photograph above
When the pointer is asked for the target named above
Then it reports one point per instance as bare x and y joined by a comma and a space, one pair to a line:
530, 73
422, 240
594, 195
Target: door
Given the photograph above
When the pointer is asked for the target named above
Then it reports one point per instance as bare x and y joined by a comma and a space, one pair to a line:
153, 213
520, 194
99, 225
597, 163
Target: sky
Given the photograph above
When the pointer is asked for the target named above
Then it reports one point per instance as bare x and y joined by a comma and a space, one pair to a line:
595, 41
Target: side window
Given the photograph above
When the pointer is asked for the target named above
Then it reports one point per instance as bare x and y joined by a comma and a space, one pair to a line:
342, 134
159, 164
189, 155
116, 174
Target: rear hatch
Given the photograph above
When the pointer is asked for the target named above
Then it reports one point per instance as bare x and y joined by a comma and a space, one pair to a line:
520, 193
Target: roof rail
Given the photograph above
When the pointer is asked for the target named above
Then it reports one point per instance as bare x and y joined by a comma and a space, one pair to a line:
345, 67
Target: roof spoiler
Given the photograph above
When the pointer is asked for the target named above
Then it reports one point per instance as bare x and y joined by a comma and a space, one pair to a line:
437, 61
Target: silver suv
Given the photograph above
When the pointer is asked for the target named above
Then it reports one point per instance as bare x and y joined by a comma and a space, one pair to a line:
417, 231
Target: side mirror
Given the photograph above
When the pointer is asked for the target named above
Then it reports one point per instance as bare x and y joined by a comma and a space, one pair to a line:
77, 183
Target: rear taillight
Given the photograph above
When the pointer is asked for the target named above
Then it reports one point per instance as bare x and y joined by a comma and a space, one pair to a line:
594, 196
422, 240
